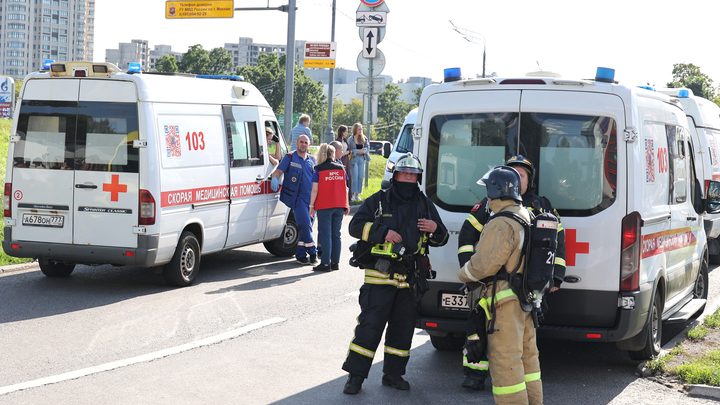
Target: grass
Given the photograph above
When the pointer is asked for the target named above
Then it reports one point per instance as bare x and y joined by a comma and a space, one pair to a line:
375, 176
5, 125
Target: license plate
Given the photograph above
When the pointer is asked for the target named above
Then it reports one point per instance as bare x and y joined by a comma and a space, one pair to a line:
454, 301
51, 221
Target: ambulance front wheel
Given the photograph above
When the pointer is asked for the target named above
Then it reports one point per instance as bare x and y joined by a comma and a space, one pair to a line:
185, 264
286, 244
53, 269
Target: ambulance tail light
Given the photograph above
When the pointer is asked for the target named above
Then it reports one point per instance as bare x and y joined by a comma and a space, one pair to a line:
147, 208
630, 254
7, 194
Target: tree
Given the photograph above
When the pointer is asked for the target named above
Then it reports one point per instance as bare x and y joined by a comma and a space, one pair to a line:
689, 75
196, 60
166, 64
220, 62
416, 96
391, 112
269, 77
347, 114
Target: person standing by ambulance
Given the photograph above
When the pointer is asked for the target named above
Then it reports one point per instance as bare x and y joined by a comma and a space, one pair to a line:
403, 222
476, 373
511, 346
298, 168
300, 129
329, 200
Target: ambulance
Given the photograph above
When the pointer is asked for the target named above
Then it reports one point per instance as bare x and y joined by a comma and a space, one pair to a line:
403, 145
617, 162
704, 124
140, 169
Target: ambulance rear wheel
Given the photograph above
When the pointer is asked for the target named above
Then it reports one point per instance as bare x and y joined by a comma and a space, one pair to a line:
52, 269
654, 333
449, 342
185, 264
286, 244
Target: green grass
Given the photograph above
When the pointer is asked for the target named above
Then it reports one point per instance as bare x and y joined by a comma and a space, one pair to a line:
375, 176
5, 125
702, 370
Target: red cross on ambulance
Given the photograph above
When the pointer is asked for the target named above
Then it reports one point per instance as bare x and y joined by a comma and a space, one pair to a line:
114, 187
573, 247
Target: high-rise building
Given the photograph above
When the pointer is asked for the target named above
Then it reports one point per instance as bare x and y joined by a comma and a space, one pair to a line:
246, 52
136, 51
33, 31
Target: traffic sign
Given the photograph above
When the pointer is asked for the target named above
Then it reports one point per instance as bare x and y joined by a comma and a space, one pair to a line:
378, 63
319, 63
370, 106
370, 18
381, 7
199, 9
320, 50
370, 43
372, 3
363, 85
380, 33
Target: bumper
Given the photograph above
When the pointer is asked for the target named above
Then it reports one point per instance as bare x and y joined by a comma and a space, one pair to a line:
578, 315
144, 255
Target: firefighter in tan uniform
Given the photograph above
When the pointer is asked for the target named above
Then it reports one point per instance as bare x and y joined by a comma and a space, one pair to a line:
513, 353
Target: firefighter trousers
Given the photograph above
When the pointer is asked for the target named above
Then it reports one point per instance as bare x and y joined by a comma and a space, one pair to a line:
513, 356
382, 305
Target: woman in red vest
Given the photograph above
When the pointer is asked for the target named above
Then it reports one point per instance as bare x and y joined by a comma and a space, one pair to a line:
329, 200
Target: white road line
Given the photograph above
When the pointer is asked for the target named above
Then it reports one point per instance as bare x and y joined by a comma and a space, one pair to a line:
139, 359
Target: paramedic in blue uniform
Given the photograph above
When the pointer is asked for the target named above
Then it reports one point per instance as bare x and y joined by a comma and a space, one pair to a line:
476, 373
298, 168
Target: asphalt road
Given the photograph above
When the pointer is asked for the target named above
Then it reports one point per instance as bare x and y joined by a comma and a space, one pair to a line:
254, 329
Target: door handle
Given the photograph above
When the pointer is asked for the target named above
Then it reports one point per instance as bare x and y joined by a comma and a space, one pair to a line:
259, 178
693, 219
91, 186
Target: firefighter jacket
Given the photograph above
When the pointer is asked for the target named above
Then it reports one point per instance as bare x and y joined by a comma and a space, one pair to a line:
479, 215
500, 248
371, 225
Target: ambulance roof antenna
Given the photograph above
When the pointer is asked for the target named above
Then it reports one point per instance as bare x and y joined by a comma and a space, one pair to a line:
471, 36
538, 63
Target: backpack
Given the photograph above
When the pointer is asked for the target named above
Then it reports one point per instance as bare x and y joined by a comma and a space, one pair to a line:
539, 249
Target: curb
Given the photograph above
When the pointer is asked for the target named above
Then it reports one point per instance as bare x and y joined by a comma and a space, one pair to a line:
17, 267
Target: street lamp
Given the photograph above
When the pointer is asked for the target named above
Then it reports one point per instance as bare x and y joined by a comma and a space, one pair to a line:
471, 36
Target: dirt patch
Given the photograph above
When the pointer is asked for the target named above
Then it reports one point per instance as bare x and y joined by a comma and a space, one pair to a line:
692, 349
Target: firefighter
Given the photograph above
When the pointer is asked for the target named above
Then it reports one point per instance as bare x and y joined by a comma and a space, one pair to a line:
396, 226
513, 354
475, 373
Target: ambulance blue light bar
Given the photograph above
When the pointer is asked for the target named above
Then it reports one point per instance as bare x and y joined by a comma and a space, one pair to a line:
47, 63
651, 88
452, 75
133, 67
605, 75
222, 77
683, 93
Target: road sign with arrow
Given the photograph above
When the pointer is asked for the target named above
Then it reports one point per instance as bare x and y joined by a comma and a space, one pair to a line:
370, 43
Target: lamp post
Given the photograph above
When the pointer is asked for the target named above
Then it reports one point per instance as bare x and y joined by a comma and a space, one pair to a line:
329, 132
471, 36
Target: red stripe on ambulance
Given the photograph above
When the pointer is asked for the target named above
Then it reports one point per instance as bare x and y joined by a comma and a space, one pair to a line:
666, 241
205, 194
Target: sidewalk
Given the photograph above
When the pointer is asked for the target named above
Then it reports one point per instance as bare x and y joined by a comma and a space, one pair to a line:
17, 267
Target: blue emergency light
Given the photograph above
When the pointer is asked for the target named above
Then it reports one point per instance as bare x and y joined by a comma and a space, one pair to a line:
684, 93
133, 67
452, 74
605, 75
222, 77
47, 63
651, 88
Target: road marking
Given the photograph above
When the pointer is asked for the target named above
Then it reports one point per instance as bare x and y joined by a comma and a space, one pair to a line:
139, 359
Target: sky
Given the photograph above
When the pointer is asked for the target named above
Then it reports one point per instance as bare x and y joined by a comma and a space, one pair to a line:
640, 39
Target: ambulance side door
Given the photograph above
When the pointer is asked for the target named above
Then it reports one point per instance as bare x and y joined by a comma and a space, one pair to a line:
276, 209
248, 211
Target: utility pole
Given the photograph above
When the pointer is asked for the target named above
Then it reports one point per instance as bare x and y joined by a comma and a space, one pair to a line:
473, 37
329, 136
289, 68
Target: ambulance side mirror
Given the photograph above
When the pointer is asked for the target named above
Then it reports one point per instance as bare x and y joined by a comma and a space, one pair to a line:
712, 201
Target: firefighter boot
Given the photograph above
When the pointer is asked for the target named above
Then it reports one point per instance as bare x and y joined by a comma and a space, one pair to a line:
395, 381
474, 383
353, 384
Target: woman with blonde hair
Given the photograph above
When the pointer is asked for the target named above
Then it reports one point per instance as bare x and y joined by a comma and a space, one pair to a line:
329, 200
342, 133
358, 145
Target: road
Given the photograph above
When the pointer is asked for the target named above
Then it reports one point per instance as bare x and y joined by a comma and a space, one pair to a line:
254, 329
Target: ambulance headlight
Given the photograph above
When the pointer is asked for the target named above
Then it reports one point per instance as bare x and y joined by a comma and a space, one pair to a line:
684, 93
133, 67
452, 75
47, 63
605, 75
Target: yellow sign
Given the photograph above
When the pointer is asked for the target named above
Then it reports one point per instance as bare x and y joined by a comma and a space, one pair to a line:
319, 63
199, 9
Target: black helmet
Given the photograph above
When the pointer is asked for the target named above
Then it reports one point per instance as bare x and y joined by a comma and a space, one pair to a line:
520, 160
408, 164
502, 182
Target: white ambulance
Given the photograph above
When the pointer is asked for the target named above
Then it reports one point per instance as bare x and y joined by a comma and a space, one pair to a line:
617, 164
106, 167
403, 145
704, 124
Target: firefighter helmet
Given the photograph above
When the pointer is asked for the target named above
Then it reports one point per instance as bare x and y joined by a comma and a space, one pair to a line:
521, 161
409, 164
502, 182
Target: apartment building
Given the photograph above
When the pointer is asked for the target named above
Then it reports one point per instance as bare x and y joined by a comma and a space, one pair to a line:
246, 52
32, 31
135, 51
